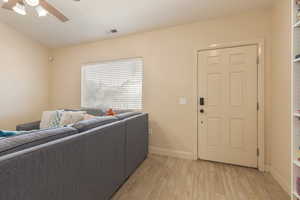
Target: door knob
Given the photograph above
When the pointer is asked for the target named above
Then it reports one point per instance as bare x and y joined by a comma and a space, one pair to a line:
201, 110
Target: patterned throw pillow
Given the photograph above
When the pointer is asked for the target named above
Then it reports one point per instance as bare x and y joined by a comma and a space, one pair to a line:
51, 119
45, 121
69, 117
55, 119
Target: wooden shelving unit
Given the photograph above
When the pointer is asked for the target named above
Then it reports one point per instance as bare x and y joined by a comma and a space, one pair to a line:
296, 99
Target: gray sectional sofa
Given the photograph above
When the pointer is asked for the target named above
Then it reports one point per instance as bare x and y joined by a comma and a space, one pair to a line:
88, 161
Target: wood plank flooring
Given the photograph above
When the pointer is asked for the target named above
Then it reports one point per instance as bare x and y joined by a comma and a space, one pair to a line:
164, 178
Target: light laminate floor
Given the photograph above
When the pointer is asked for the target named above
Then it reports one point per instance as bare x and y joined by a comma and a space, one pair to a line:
164, 178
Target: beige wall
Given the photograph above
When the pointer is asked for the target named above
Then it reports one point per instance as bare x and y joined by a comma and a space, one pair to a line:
281, 92
170, 71
23, 78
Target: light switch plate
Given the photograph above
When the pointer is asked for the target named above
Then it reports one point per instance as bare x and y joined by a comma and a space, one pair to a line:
182, 100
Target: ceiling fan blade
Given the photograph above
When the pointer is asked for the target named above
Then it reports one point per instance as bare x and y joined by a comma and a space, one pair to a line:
10, 4
52, 10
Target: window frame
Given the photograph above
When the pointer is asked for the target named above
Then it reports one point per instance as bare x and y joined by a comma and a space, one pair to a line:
85, 65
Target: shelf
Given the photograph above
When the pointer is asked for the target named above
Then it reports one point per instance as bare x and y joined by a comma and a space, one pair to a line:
296, 195
297, 163
295, 134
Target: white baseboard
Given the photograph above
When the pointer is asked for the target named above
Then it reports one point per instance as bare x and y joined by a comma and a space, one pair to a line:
171, 153
267, 168
280, 179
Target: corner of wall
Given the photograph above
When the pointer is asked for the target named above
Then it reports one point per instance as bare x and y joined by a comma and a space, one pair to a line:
280, 141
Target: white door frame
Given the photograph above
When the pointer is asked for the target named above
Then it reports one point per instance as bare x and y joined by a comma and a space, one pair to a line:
260, 77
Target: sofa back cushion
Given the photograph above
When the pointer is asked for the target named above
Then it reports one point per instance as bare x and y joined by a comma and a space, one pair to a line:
20, 142
126, 115
93, 123
93, 111
98, 111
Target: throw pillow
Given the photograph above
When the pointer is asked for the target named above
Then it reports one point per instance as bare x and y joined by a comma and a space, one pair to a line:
55, 119
4, 133
45, 121
51, 119
110, 112
70, 117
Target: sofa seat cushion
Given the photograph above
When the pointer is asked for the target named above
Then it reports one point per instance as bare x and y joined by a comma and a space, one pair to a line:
93, 123
126, 115
21, 142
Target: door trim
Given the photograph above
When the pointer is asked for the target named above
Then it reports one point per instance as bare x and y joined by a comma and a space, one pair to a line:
260, 96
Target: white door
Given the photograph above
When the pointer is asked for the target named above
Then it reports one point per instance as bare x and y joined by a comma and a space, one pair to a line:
227, 120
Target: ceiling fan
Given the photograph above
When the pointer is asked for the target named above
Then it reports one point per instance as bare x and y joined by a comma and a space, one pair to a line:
42, 8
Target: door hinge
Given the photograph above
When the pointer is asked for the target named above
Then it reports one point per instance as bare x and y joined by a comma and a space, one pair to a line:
257, 105
257, 152
257, 60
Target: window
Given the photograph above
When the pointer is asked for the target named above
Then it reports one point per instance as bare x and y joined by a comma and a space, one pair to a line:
116, 84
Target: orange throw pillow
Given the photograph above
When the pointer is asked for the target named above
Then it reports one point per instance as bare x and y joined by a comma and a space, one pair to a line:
110, 112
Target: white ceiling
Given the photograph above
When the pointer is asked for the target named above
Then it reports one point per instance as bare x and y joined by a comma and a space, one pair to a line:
92, 19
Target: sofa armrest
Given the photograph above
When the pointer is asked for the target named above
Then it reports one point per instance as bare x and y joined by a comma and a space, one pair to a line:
28, 126
137, 141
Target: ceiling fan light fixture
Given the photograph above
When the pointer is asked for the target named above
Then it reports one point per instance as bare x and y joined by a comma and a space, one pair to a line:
42, 8
33, 3
41, 11
20, 9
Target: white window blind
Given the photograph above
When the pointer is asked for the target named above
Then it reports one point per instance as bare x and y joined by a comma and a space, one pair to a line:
116, 84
